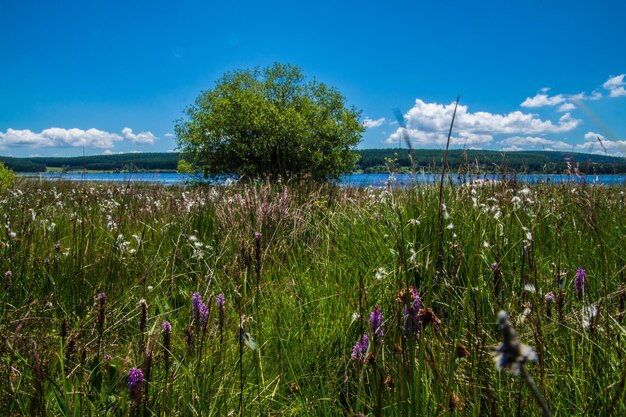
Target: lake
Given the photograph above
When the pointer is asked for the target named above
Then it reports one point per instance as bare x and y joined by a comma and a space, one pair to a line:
358, 180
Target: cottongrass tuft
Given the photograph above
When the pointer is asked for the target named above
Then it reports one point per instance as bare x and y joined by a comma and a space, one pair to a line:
248, 341
511, 354
589, 315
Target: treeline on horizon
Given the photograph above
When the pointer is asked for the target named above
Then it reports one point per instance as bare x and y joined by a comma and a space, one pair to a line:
371, 161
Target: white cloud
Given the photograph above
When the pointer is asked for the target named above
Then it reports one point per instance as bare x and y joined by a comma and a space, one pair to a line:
141, 138
422, 138
168, 135
567, 106
595, 95
512, 148
428, 124
369, 123
533, 142
596, 143
58, 137
541, 100
108, 152
615, 85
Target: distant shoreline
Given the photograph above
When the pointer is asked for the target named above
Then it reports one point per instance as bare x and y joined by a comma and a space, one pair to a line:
371, 161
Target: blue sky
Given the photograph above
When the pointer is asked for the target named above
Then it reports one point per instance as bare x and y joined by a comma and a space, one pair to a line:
114, 76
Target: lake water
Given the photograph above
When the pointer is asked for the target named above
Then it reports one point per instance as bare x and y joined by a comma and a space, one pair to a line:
358, 180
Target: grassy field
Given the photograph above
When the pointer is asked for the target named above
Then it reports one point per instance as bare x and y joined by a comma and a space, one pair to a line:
99, 317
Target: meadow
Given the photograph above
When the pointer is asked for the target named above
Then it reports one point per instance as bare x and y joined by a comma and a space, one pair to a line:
309, 300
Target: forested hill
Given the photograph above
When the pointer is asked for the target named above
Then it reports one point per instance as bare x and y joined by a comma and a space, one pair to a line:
372, 160
549, 162
119, 162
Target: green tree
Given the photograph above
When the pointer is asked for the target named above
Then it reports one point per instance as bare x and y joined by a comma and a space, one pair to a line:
7, 178
270, 122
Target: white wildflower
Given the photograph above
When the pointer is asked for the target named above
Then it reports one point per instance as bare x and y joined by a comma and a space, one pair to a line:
530, 288
589, 314
381, 273
249, 341
446, 215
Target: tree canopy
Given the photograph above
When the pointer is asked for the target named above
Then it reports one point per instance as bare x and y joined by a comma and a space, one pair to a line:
270, 123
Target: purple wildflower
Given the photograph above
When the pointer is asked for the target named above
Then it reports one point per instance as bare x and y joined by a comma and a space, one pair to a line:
411, 313
376, 324
195, 302
360, 348
580, 282
101, 313
415, 297
106, 359
219, 301
167, 342
143, 317
135, 384
549, 299
204, 315
406, 320
167, 327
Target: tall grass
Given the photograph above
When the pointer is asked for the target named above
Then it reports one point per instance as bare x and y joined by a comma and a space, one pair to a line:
301, 267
